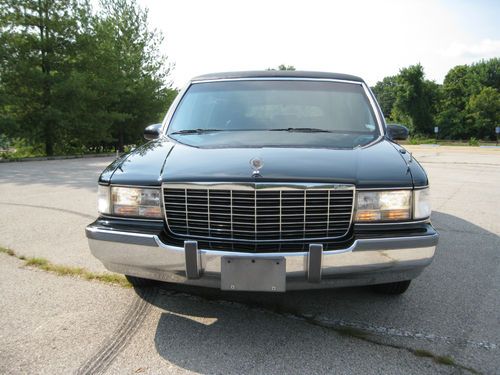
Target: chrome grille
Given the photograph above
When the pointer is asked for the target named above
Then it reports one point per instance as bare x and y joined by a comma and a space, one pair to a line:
259, 212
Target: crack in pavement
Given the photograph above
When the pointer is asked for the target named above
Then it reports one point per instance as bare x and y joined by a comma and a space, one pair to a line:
397, 332
340, 323
357, 330
50, 208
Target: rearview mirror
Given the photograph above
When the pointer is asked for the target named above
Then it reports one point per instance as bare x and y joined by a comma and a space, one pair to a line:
397, 132
152, 132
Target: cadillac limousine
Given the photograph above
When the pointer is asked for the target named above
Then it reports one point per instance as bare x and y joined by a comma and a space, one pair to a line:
268, 181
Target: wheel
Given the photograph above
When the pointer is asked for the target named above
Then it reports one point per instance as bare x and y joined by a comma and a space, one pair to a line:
392, 288
139, 281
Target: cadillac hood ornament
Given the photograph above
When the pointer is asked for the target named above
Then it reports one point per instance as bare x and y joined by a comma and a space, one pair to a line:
256, 164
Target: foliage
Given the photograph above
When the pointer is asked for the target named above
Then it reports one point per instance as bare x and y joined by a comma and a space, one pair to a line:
483, 112
473, 141
37, 39
464, 106
283, 67
4, 142
76, 79
415, 99
20, 148
386, 93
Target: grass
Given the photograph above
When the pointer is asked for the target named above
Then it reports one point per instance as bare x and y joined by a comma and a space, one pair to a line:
441, 359
472, 142
444, 360
60, 270
7, 251
423, 353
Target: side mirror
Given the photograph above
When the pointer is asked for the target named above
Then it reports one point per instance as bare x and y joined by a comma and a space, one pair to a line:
397, 132
152, 132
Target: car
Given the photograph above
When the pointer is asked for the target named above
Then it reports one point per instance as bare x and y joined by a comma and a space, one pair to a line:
268, 181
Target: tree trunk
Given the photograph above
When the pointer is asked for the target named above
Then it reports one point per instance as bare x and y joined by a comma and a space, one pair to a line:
120, 140
48, 130
49, 138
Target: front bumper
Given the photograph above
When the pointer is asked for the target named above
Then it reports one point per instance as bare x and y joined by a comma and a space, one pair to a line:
367, 261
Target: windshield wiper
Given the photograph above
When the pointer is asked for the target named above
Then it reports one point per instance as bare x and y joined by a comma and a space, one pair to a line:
301, 130
195, 131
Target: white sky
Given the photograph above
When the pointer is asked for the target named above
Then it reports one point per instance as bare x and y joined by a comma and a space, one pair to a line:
372, 39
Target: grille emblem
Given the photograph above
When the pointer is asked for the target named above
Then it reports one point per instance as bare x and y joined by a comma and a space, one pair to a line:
256, 164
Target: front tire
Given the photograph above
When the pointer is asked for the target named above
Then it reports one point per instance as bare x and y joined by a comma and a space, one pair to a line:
139, 281
393, 289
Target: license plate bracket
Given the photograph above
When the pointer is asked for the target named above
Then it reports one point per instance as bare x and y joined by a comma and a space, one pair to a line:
254, 274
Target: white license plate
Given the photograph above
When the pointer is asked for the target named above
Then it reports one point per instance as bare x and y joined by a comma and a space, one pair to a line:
253, 274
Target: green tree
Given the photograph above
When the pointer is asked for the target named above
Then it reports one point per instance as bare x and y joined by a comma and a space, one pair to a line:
415, 99
75, 79
283, 67
386, 93
456, 89
132, 70
37, 39
483, 112
486, 73
461, 84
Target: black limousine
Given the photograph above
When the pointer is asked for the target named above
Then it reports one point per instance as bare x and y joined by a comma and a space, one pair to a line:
268, 181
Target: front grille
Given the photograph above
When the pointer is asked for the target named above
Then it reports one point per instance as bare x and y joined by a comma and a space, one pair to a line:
259, 213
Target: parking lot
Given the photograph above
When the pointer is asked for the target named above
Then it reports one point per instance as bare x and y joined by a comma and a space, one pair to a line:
448, 322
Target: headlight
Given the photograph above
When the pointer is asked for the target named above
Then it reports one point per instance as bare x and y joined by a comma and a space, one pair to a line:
383, 205
103, 200
134, 202
421, 204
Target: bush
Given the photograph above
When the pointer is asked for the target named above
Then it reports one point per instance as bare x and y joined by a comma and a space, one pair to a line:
473, 141
418, 139
20, 148
4, 142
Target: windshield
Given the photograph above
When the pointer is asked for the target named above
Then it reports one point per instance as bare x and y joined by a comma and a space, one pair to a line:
290, 112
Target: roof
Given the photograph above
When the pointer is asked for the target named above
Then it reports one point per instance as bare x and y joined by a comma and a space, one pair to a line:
277, 73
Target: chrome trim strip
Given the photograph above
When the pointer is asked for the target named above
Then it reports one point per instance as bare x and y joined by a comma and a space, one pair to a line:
382, 188
251, 186
397, 242
375, 223
277, 79
369, 244
171, 111
135, 186
394, 188
132, 218
122, 237
371, 99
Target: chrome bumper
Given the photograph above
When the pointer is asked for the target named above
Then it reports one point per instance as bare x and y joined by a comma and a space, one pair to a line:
365, 262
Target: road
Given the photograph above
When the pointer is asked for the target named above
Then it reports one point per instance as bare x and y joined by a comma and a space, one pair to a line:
53, 324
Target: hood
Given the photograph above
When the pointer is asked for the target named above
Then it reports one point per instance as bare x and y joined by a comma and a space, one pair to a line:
379, 165
142, 167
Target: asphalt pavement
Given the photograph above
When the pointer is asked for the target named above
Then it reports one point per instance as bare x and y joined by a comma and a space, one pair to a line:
54, 324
